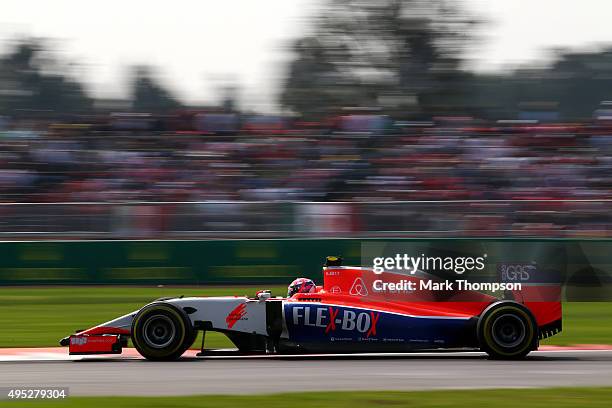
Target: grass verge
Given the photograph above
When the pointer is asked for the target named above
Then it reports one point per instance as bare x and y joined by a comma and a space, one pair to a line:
40, 317
36, 317
529, 398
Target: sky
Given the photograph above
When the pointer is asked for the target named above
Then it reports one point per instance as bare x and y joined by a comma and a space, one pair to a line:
524, 30
200, 45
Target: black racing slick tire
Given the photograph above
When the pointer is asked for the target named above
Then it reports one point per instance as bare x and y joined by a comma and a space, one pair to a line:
507, 330
162, 332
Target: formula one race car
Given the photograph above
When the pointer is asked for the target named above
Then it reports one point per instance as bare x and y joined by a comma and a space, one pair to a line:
356, 310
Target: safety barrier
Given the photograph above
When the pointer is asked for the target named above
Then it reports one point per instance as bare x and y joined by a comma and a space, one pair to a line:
277, 261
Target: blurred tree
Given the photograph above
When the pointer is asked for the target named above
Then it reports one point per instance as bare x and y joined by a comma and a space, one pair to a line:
572, 86
148, 95
362, 52
582, 81
31, 80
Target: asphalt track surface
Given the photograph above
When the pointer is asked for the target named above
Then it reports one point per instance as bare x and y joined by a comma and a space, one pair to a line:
272, 374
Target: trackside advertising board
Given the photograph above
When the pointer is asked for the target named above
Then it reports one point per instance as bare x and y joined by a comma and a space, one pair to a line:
583, 266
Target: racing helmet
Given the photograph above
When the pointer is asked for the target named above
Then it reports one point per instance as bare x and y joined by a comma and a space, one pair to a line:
301, 285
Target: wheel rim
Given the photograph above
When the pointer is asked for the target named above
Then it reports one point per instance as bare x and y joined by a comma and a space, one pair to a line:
158, 331
508, 330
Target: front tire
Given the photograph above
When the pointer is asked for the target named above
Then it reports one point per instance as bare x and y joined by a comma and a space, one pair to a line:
507, 330
161, 331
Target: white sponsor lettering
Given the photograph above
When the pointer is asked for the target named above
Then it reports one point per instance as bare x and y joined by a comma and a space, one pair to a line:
321, 317
348, 322
321, 314
296, 314
363, 322
358, 288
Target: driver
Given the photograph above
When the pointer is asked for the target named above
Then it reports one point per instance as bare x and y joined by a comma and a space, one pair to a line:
301, 285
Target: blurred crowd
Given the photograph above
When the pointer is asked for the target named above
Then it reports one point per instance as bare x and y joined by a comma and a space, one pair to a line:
367, 158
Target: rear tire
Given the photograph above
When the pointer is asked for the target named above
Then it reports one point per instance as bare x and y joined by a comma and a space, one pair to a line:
507, 330
161, 331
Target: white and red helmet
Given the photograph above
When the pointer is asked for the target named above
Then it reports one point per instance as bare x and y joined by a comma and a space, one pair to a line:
301, 285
